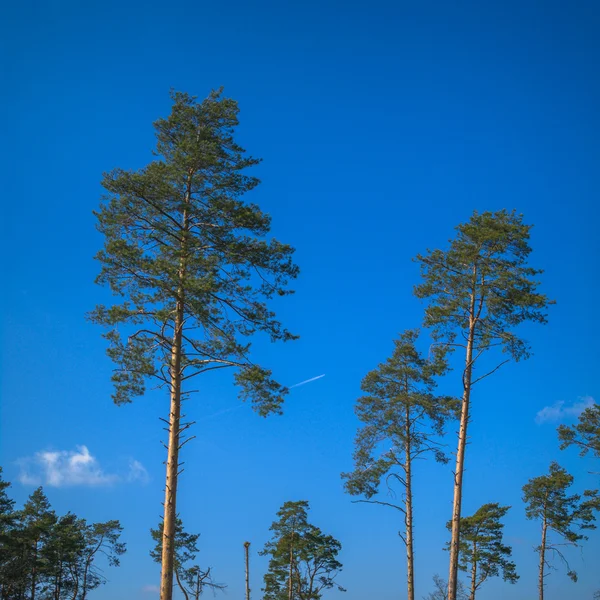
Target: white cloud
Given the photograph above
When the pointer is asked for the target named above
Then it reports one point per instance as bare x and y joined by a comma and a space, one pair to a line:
151, 589
64, 468
137, 472
561, 410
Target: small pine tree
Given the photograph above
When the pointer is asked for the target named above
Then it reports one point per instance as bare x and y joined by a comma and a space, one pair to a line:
547, 501
303, 560
37, 519
190, 578
483, 553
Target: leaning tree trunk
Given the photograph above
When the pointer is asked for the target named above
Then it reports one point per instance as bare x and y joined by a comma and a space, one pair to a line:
410, 573
542, 560
460, 456
181, 586
170, 507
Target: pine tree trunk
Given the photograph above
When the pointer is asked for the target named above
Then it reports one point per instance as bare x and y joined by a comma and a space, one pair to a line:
170, 506
247, 552
291, 576
474, 573
410, 577
460, 457
542, 560
76, 589
34, 571
170, 512
58, 581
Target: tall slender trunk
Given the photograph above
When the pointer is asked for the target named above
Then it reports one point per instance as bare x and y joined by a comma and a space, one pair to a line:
247, 552
474, 573
291, 575
410, 573
460, 456
75, 588
170, 514
542, 559
170, 506
34, 570
58, 581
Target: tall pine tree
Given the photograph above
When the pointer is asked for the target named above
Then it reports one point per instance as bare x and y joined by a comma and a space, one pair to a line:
401, 411
477, 291
188, 258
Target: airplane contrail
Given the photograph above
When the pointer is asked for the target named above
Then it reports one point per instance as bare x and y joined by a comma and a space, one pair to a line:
221, 412
307, 381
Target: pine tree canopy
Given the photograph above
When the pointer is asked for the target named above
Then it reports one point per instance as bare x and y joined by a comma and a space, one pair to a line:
547, 500
400, 411
585, 434
483, 279
179, 238
303, 560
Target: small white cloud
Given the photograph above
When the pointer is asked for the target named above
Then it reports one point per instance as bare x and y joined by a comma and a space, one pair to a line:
28, 479
561, 410
64, 468
137, 472
151, 589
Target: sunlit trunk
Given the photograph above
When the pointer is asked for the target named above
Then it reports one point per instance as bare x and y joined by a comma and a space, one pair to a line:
410, 576
460, 457
542, 560
170, 505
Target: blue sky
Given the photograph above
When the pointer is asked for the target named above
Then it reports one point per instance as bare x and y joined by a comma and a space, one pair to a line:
382, 125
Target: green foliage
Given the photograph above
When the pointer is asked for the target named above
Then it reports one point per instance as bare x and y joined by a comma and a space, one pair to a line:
585, 434
63, 556
299, 553
482, 552
186, 544
401, 411
483, 280
14, 550
49, 556
6, 503
180, 240
191, 579
547, 501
